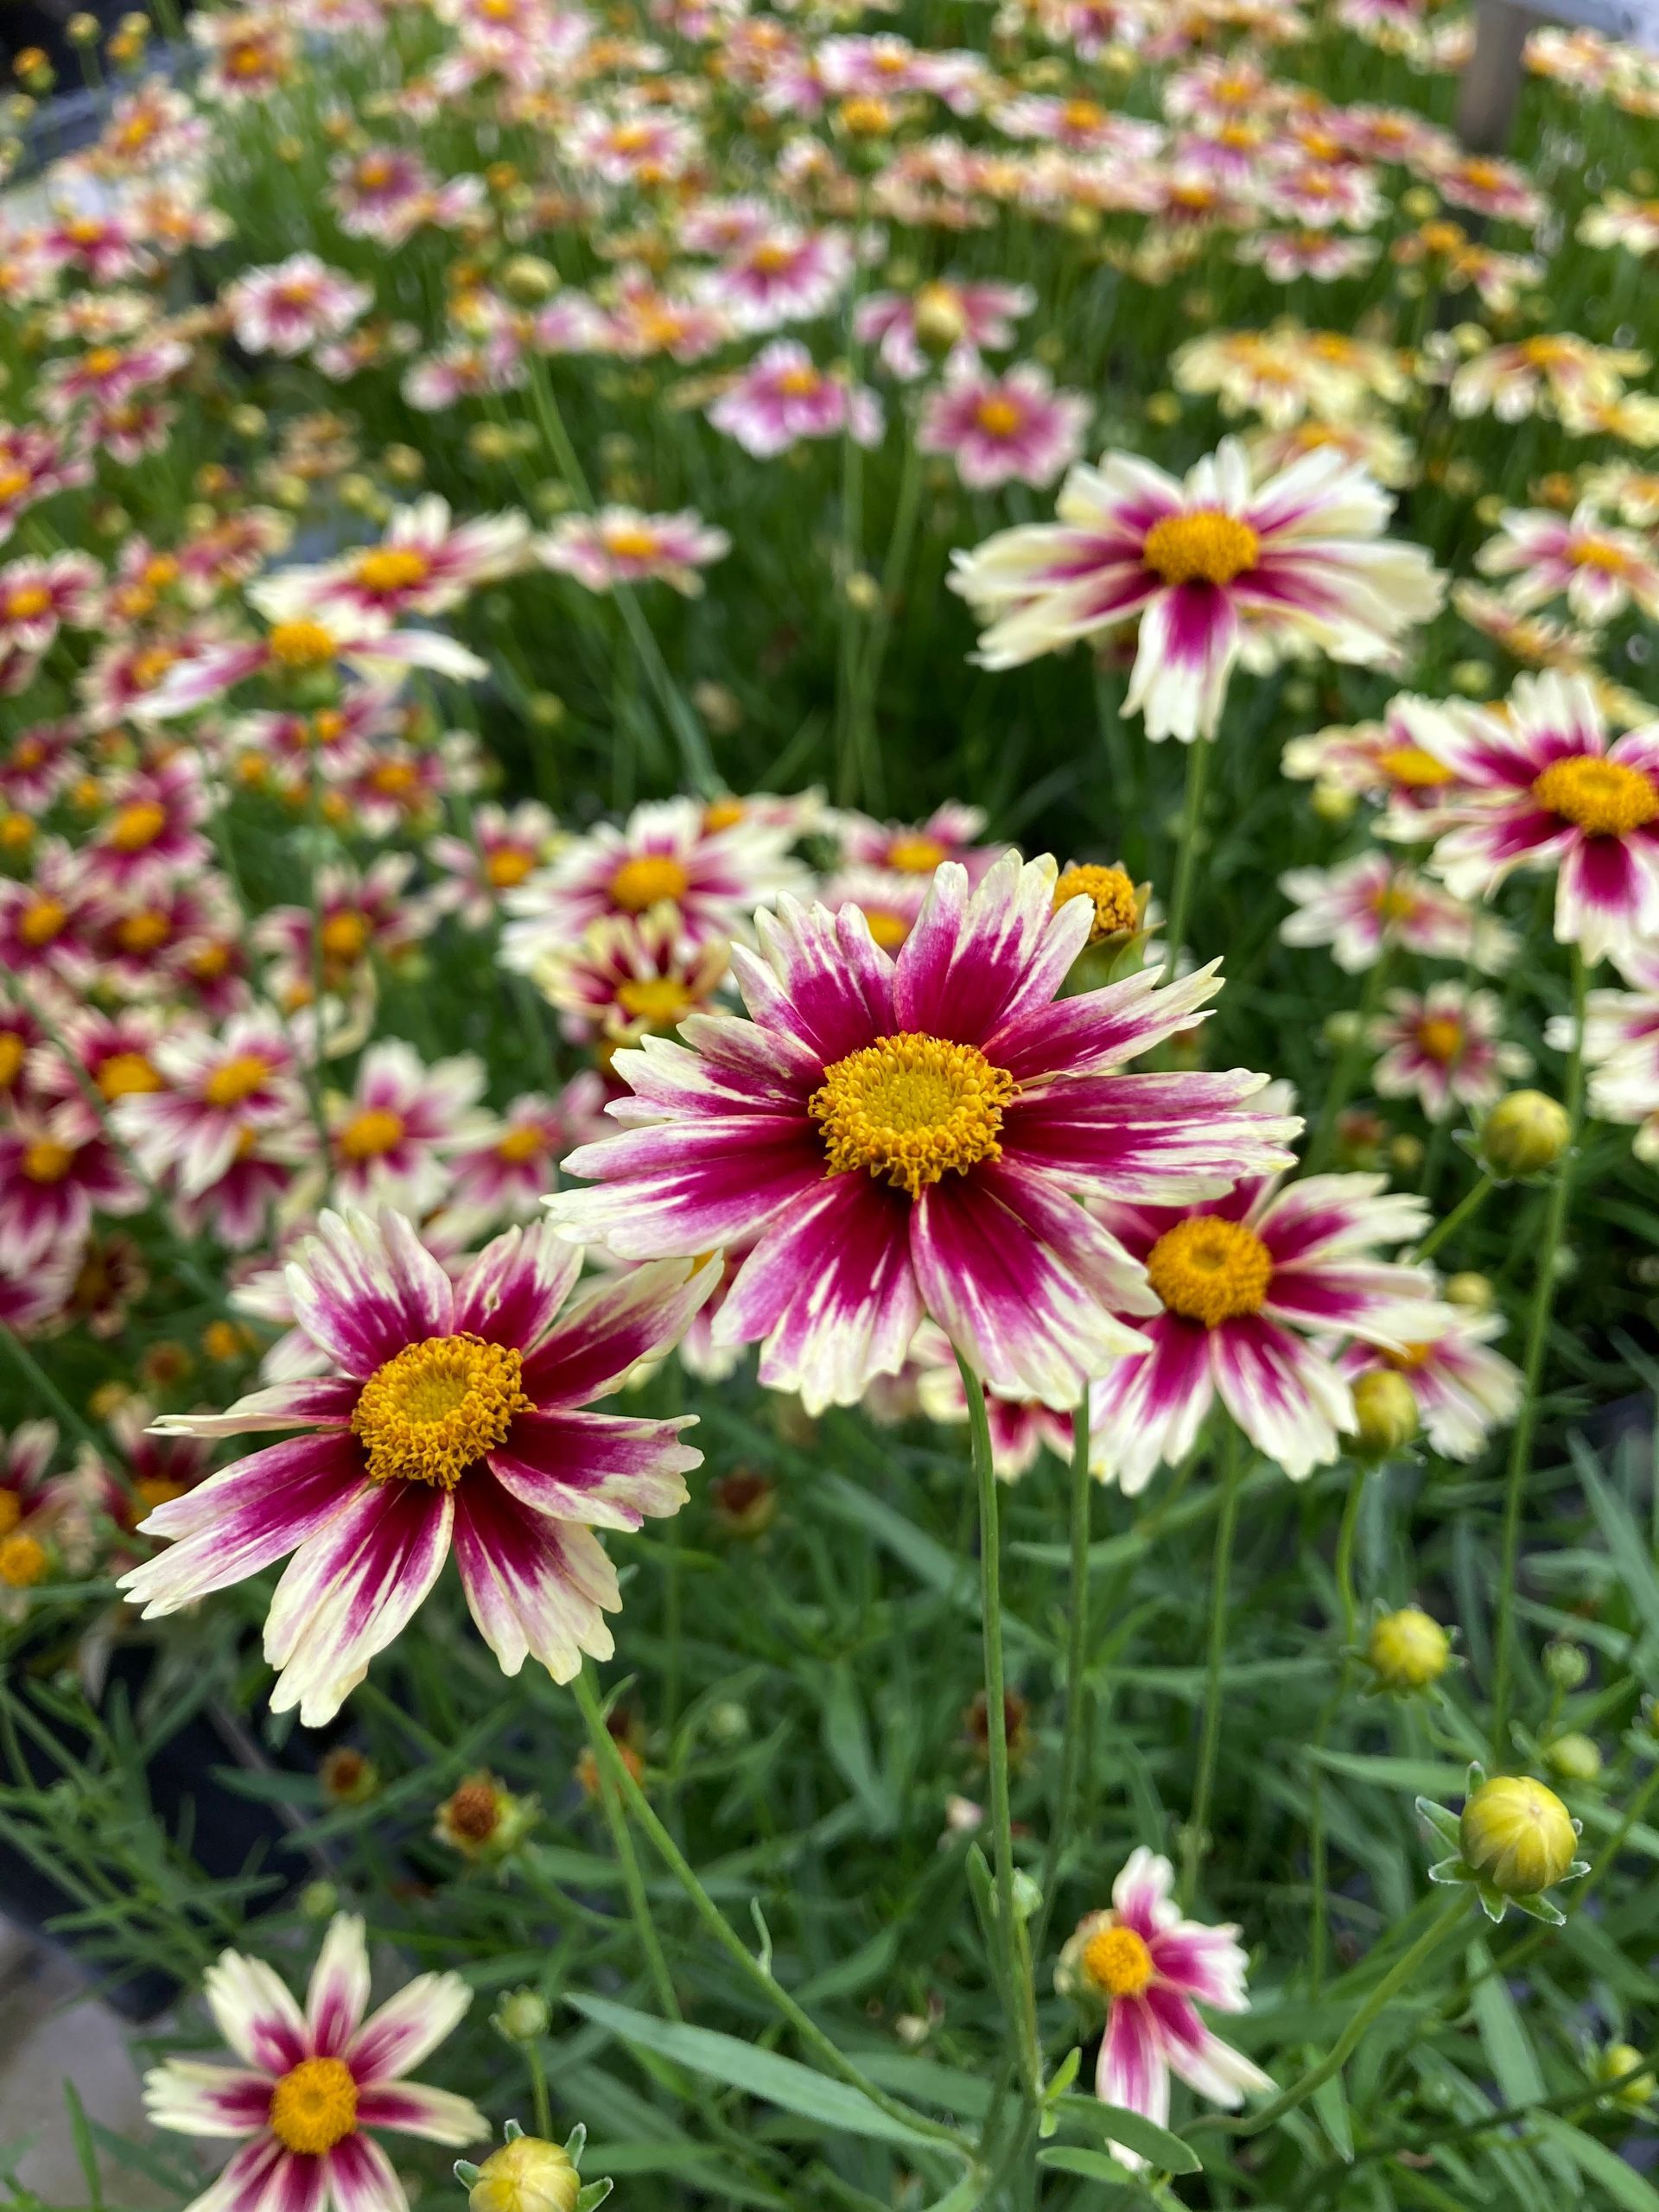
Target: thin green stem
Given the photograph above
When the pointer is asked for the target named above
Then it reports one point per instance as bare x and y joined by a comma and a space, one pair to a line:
1543, 1300
541, 2104
1195, 1842
1346, 1537
608, 1761
828, 2054
1341, 1085
1197, 764
1465, 1209
1075, 1739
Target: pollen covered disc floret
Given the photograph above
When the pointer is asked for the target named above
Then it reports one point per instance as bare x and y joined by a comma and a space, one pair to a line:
1117, 911
910, 1107
1117, 1961
313, 2106
1201, 548
1210, 1270
1605, 798
436, 1407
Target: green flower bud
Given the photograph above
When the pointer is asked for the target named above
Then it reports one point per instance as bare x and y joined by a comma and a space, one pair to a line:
1575, 1756
1517, 1836
1524, 1133
1385, 1413
1408, 1650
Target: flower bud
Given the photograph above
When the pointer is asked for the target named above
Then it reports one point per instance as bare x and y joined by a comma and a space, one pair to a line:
1334, 803
939, 320
319, 1900
1567, 1666
1385, 1413
1573, 1755
1524, 1133
1517, 1836
526, 2174
520, 2015
1408, 1650
1620, 2062
347, 1777
1473, 1291
483, 1819
1406, 1154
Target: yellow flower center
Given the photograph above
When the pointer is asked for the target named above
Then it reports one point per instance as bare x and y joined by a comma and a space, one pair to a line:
723, 814
436, 1407
392, 567
799, 382
22, 1561
136, 826
1000, 418
1117, 1961
102, 361
772, 260
370, 1134
42, 920
47, 1161
235, 1079
888, 928
630, 542
11, 1511
13, 1053
126, 1075
909, 1106
508, 866
1394, 903
1440, 1037
1605, 798
659, 1000
301, 645
1080, 115
12, 482
1596, 553
345, 935
915, 855
1203, 548
520, 1145
1417, 770
644, 881
17, 832
27, 601
145, 932
313, 2106
1210, 1270
1116, 908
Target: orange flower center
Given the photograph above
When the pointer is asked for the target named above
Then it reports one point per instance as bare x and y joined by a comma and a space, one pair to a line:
1417, 770
1000, 418
1605, 798
1117, 1961
126, 1075
1210, 1270
910, 1108
915, 855
313, 2106
508, 866
345, 935
42, 920
136, 826
145, 932
435, 1408
372, 1134
1201, 548
520, 1145
26, 601
1116, 908
800, 382
22, 1561
235, 1079
301, 645
47, 1161
392, 567
649, 877
630, 542
1440, 1037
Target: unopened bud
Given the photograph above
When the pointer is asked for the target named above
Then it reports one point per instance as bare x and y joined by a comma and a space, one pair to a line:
1408, 1650
1525, 1133
1473, 1291
1622, 2063
520, 2015
527, 2174
1573, 1755
1385, 1412
1567, 1666
1517, 1836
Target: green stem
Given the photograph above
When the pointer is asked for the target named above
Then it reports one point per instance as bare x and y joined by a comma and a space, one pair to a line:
1195, 1840
1074, 1741
1543, 1300
1017, 1994
1340, 1088
829, 2055
1346, 1537
1197, 764
608, 1761
1465, 1209
540, 2103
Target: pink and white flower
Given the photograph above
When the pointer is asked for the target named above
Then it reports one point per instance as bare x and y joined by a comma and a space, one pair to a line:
514, 1164
630, 976
310, 2083
1364, 904
1214, 569
426, 563
390, 1139
1013, 428
1151, 1969
782, 397
37, 596
621, 545
783, 276
1462, 1389
1621, 1049
1445, 1048
508, 844
910, 1136
1556, 368
1019, 1428
1598, 568
371, 1497
56, 1172
154, 830
223, 1089
1253, 1288
959, 320
287, 307
1540, 787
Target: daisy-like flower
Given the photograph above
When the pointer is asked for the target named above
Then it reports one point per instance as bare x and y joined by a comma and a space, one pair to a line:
1362, 904
426, 563
509, 1171
1244, 1283
1597, 568
666, 852
917, 849
38, 595
1379, 761
782, 397
621, 545
289, 306
1151, 1969
1011, 429
56, 1171
445, 1412
390, 1139
960, 320
153, 830
310, 2083
1621, 1048
508, 845
1325, 256
46, 923
1540, 787
912, 1135
630, 976
1618, 220
1445, 1048
1019, 1428
1464, 1389
1213, 569
1558, 367
783, 276
218, 1091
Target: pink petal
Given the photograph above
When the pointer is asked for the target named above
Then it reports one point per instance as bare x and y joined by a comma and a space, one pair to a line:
362, 1289
825, 981
406, 2028
254, 2010
537, 1588
595, 1468
622, 1319
360, 2179
979, 959
688, 1187
412, 2109
339, 1992
511, 1292
1130, 2071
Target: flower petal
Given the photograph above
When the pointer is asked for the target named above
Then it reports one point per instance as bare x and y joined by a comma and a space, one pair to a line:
621, 1320
413, 2110
362, 1288
406, 2028
193, 2098
339, 1992
535, 1587
256, 2012
359, 2176
595, 1468
511, 1292
1131, 2071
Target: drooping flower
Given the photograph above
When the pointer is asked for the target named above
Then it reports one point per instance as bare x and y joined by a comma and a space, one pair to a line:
1445, 1047
912, 1134
446, 1411
310, 2083
1151, 1969
1214, 569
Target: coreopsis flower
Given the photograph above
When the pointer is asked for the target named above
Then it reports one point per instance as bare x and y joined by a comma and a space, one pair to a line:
1445, 1047
1597, 568
889, 901
1012, 428
39, 596
48, 919
952, 832
1512, 382
1151, 1969
621, 545
1491, 186
507, 845
960, 320
1254, 1288
391, 1139
504, 1175
215, 1092
360, 914
782, 397
1380, 761
1618, 220
1406, 1650
311, 2083
665, 853
26, 1457
783, 275
1284, 257
153, 829
40, 762
57, 1170
910, 1135
1214, 569
1514, 1841
1462, 1389
1540, 787
1366, 904
1621, 1048
630, 976
1019, 1428
289, 306
427, 562
200, 671
445, 1412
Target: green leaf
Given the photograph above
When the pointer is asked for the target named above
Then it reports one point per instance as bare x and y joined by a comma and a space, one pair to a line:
1155, 2145
1631, 1556
1597, 2163
1513, 2064
926, 2082
1093, 2165
759, 2073
86, 2151
1330, 2102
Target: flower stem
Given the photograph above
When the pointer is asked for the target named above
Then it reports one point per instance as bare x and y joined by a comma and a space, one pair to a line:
540, 2103
1543, 1299
1017, 1993
1465, 1209
1074, 1743
1341, 1085
608, 1760
828, 2054
1195, 1842
1197, 764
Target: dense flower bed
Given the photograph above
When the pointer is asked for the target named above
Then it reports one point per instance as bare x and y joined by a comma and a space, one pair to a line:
841, 838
